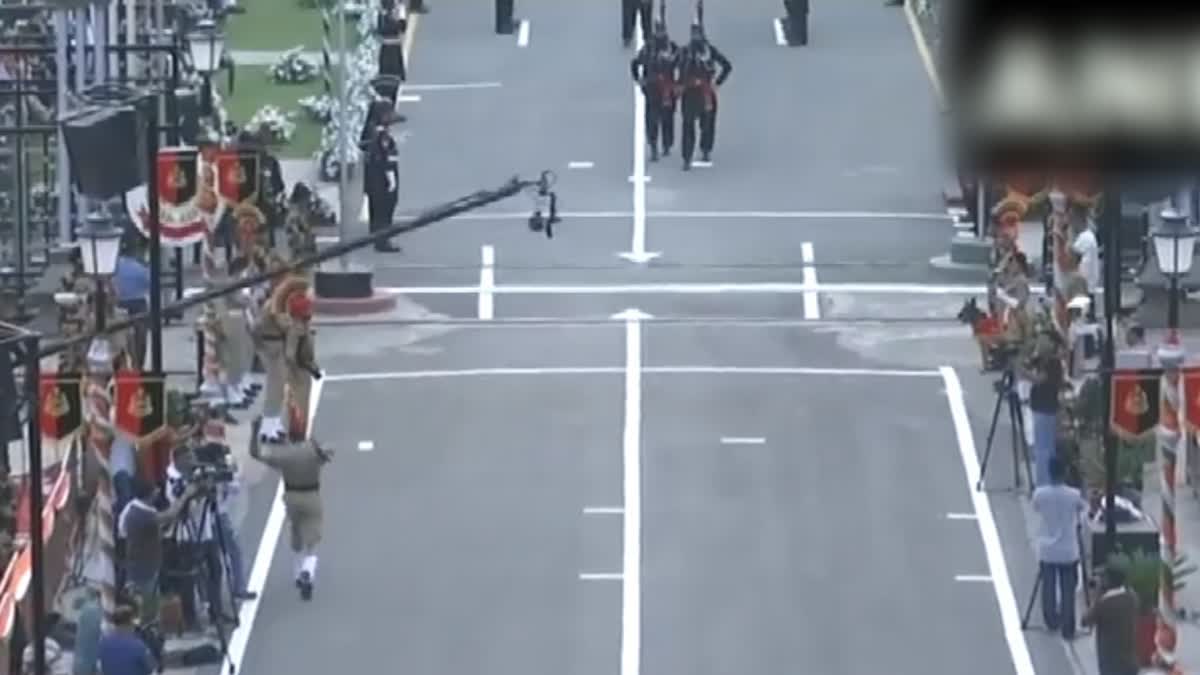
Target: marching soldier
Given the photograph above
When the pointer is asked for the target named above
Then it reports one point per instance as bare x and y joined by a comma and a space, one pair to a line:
391, 25
654, 69
301, 358
270, 333
381, 183
702, 69
631, 11
299, 464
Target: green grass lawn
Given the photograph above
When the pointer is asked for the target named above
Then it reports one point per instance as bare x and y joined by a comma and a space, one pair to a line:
277, 25
256, 90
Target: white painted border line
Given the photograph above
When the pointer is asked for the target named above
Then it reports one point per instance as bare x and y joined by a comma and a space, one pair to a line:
328, 239
600, 576
935, 81
1010, 616
366, 446
742, 440
523, 34
981, 578
452, 87
603, 510
780, 34
580, 165
812, 303
631, 520
487, 283
702, 164
767, 215
961, 516
618, 370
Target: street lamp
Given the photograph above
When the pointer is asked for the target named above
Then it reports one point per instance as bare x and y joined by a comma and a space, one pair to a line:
99, 246
206, 46
1174, 247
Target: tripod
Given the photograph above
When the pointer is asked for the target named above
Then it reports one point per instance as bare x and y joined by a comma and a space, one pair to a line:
1037, 584
1006, 394
196, 519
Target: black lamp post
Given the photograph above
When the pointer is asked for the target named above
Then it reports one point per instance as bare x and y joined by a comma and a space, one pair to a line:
206, 46
1174, 248
99, 245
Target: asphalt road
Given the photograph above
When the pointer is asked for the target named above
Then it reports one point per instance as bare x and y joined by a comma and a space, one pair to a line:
457, 543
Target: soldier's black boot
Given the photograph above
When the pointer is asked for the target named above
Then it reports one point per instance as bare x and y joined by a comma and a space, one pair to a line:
666, 151
653, 153
687, 163
706, 156
306, 586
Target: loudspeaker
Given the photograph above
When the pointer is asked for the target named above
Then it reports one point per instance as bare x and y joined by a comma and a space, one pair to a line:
10, 424
107, 147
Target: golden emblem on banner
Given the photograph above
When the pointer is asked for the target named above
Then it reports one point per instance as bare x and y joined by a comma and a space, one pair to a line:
1136, 402
139, 404
56, 404
178, 181
237, 174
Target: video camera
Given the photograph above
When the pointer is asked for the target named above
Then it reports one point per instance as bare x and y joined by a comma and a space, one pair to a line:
211, 465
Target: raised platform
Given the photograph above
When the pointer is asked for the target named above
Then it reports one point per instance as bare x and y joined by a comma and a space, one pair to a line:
377, 302
348, 292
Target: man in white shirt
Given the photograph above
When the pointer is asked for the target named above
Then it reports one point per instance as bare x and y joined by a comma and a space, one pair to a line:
195, 543
1060, 508
1087, 253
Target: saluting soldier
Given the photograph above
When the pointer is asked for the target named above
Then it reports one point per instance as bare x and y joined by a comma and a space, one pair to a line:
299, 464
654, 69
631, 11
702, 69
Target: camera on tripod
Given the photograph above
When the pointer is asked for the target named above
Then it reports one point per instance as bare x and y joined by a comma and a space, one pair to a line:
211, 465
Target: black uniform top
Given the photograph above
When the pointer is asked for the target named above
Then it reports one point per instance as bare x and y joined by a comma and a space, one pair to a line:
389, 26
381, 162
654, 61
699, 66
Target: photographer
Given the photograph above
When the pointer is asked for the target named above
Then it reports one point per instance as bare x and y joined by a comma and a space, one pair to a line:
140, 525
1060, 508
122, 651
1046, 372
193, 537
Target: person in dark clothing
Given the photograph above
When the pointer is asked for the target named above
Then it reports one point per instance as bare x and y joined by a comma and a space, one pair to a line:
122, 652
1047, 374
1114, 614
654, 69
631, 11
391, 26
702, 69
381, 182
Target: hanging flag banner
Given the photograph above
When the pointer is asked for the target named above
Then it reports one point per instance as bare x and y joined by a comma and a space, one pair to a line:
1191, 393
1133, 411
60, 406
183, 219
238, 175
140, 402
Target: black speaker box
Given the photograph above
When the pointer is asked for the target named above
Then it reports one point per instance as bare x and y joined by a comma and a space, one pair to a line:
107, 148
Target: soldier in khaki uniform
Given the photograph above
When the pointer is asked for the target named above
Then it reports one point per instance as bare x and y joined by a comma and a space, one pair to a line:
301, 358
299, 464
269, 333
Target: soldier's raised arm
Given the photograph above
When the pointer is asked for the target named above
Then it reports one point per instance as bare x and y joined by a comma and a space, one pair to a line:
256, 448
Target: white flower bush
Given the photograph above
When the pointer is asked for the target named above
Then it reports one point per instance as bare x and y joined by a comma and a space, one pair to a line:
293, 67
361, 69
272, 124
320, 108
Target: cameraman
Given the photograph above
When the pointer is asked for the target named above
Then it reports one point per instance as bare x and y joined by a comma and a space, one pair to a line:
195, 546
1046, 372
140, 525
1060, 508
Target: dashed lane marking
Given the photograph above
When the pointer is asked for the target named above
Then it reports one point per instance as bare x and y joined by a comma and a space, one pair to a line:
366, 446
603, 510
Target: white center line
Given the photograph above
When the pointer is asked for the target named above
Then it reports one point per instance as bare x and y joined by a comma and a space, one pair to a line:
979, 578
812, 302
961, 516
602, 576
487, 283
631, 560
580, 165
1010, 614
637, 252
452, 87
603, 511
366, 446
780, 36
742, 440
523, 34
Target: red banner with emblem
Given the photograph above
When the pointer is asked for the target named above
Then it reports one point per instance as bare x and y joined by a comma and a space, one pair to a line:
1133, 409
139, 404
183, 218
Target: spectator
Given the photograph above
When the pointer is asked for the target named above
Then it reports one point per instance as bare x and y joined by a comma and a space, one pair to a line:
56, 660
122, 652
1114, 614
1087, 257
131, 281
1059, 507
197, 555
87, 633
140, 526
1047, 375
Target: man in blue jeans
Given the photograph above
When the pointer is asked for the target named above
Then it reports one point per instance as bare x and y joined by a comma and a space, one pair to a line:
1060, 508
1043, 403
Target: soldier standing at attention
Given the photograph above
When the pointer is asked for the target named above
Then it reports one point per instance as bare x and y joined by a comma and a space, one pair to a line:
699, 78
654, 69
381, 183
299, 464
631, 11
391, 25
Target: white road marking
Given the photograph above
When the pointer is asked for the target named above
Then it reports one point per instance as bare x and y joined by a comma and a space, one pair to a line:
523, 34
780, 35
408, 98
926, 57
812, 303
580, 165
961, 516
618, 370
701, 164
719, 215
641, 179
487, 283
637, 252
364, 214
452, 87
631, 559
982, 578
742, 440
328, 239
261, 566
1010, 616
603, 510
601, 576
366, 446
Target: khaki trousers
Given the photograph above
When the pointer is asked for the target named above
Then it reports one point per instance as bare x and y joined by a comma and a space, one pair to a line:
271, 353
299, 384
305, 517
236, 349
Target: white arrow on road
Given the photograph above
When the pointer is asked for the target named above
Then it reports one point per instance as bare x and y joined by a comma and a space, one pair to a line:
631, 565
637, 252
